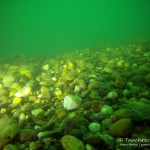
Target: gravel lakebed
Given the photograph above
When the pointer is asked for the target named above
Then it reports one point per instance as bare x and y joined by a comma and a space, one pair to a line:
80, 100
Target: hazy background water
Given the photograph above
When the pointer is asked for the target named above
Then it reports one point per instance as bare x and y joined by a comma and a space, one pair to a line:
34, 27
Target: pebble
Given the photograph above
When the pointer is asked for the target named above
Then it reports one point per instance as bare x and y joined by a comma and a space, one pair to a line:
8, 130
94, 127
121, 128
22, 118
10, 147
37, 112
72, 102
106, 110
72, 143
17, 100
112, 95
25, 135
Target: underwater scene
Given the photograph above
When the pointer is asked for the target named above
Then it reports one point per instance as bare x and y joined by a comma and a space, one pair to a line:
75, 75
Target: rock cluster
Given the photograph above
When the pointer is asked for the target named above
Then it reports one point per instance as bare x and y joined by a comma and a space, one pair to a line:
84, 99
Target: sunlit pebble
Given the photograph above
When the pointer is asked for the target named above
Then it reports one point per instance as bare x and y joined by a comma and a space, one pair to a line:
18, 94
46, 67
54, 79
39, 96
22, 118
3, 110
1, 86
27, 91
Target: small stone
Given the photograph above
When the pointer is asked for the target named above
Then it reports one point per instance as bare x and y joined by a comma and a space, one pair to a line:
35, 145
112, 95
10, 147
85, 93
8, 130
26, 135
59, 94
129, 84
22, 118
72, 102
106, 110
147, 78
89, 147
26, 72
94, 127
42, 135
93, 85
121, 128
95, 140
77, 89
126, 92
72, 115
37, 112
60, 113
26, 107
8, 81
17, 100
45, 67
3, 110
45, 95
72, 143
108, 140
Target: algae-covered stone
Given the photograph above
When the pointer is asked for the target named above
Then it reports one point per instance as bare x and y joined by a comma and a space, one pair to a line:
71, 75
10, 147
112, 95
147, 78
121, 128
89, 147
72, 143
139, 111
26, 135
22, 118
17, 100
94, 127
71, 102
106, 110
35, 145
26, 71
8, 81
93, 85
26, 107
96, 140
8, 129
37, 112
45, 67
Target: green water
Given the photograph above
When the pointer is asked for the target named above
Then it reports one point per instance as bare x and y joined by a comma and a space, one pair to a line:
31, 27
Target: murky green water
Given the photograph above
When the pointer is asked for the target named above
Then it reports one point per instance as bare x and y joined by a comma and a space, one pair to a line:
33, 27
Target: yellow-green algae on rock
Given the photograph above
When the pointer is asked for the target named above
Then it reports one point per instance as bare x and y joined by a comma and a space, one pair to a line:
8, 130
72, 143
